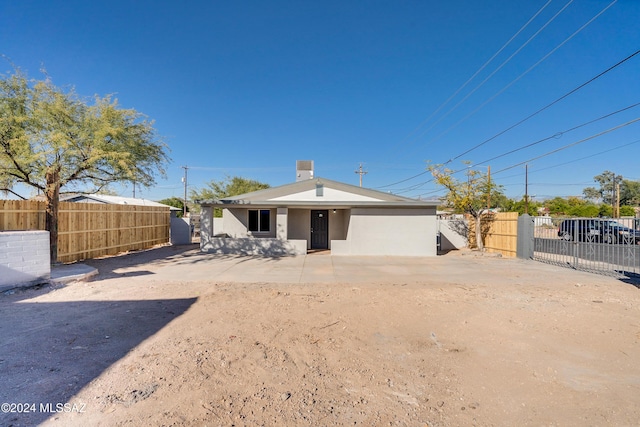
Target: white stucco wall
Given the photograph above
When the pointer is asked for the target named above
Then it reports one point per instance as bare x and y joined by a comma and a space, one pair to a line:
180, 231
328, 195
453, 234
24, 258
395, 232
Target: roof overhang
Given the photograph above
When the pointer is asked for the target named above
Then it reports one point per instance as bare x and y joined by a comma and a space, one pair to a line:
230, 204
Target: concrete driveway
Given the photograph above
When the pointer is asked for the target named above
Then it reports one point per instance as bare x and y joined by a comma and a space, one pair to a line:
188, 264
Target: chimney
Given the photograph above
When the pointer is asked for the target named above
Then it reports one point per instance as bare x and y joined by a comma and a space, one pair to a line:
304, 170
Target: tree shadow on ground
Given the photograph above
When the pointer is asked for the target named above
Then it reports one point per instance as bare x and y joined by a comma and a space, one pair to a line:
163, 255
50, 351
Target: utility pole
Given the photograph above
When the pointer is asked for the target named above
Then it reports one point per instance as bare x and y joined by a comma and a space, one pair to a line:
134, 189
489, 192
617, 211
526, 189
184, 180
361, 172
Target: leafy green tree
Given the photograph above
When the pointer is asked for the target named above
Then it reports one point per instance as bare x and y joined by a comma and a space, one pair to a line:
230, 186
520, 206
606, 191
605, 211
627, 211
630, 193
468, 195
175, 202
558, 206
51, 139
587, 210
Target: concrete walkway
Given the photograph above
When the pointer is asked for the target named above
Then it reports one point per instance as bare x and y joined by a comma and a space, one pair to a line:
65, 273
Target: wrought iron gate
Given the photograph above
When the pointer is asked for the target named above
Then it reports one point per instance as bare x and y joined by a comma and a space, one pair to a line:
603, 246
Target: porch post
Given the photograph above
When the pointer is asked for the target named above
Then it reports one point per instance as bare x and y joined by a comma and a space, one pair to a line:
281, 223
206, 225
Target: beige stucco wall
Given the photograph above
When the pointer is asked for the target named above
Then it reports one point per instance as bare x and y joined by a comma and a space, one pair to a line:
235, 224
337, 229
357, 231
397, 232
299, 224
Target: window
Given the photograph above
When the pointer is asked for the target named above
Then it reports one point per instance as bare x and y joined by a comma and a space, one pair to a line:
259, 220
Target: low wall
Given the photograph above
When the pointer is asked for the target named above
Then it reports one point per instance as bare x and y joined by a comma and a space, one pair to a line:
180, 232
24, 258
453, 234
252, 246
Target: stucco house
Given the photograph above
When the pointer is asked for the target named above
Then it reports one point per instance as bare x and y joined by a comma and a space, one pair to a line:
319, 214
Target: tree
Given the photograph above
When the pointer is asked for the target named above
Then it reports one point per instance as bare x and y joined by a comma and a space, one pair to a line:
176, 202
627, 211
606, 191
466, 196
520, 206
230, 186
51, 139
630, 193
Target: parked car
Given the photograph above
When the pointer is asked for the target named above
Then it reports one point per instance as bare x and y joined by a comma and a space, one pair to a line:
581, 229
614, 232
597, 230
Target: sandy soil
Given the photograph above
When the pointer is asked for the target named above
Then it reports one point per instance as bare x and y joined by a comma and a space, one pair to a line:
481, 341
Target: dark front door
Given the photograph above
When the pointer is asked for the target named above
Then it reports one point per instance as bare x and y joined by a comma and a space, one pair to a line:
319, 229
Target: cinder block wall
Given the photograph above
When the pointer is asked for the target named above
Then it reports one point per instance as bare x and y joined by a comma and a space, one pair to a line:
24, 258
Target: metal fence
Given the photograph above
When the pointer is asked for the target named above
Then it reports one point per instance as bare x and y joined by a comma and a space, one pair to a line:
603, 246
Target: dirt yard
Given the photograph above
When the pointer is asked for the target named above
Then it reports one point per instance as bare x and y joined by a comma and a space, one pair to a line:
457, 340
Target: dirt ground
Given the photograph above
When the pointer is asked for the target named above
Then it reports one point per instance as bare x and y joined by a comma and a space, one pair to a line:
456, 340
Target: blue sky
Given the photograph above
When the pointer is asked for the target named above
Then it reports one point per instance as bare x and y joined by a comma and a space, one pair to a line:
247, 88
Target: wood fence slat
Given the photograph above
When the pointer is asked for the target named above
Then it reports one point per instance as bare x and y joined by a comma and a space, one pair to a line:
89, 230
500, 233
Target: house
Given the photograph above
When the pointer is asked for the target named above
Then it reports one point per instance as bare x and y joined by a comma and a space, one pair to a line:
316, 213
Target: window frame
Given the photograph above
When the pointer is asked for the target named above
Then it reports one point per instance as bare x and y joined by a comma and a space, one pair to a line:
261, 226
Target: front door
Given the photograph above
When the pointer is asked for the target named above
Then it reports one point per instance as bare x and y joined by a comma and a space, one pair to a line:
319, 229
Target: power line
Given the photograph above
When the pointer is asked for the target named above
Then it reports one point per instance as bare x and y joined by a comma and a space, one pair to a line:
418, 185
536, 112
404, 180
559, 134
437, 110
501, 91
546, 106
570, 145
588, 157
546, 24
544, 155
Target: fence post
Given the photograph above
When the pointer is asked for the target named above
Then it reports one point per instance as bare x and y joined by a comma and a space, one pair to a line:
525, 245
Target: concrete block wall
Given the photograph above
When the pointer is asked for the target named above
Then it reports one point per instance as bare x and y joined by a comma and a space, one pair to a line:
24, 258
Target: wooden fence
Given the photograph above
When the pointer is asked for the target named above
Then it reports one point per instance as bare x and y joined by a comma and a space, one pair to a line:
91, 230
499, 232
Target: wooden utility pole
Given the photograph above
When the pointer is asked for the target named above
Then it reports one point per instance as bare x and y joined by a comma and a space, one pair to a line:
489, 192
526, 189
184, 180
617, 210
360, 172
